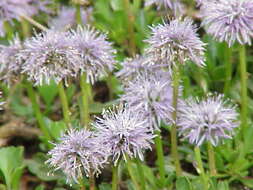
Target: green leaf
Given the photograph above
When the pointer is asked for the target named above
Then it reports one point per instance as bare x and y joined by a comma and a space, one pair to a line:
56, 128
223, 185
117, 5
37, 166
11, 165
183, 183
48, 92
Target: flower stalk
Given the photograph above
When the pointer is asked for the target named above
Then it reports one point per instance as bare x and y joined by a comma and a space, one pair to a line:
115, 177
211, 159
200, 168
141, 173
131, 173
65, 105
174, 147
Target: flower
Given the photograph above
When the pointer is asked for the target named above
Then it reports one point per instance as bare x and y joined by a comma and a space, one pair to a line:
211, 119
50, 56
132, 66
78, 153
9, 64
96, 52
176, 42
174, 5
229, 20
14, 9
151, 94
124, 133
67, 18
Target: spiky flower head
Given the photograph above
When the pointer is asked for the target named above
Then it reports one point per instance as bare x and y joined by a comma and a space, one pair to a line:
151, 94
77, 154
50, 56
131, 67
124, 132
175, 6
229, 20
67, 18
9, 64
175, 42
97, 53
14, 9
212, 119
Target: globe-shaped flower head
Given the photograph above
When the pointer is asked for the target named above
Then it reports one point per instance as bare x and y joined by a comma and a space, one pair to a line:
151, 94
9, 64
67, 18
175, 6
124, 132
229, 20
211, 119
96, 52
14, 9
176, 42
50, 56
77, 154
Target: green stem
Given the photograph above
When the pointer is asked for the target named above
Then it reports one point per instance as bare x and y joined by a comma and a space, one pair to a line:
33, 22
211, 159
244, 98
130, 28
141, 173
65, 105
174, 148
85, 89
131, 173
160, 156
81, 183
200, 167
115, 177
228, 64
92, 182
36, 109
78, 14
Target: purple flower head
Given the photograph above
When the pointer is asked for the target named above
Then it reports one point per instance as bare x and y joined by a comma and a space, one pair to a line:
151, 94
132, 66
96, 52
67, 18
175, 42
10, 66
14, 9
212, 119
77, 154
229, 20
50, 56
175, 6
124, 132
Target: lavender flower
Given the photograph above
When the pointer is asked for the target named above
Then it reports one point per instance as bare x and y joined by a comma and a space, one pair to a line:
133, 66
9, 65
96, 52
151, 94
14, 9
229, 20
67, 18
50, 56
212, 119
176, 41
174, 5
124, 132
78, 154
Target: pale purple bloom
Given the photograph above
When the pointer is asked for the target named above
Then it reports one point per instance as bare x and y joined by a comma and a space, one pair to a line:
151, 93
14, 9
124, 132
67, 18
175, 42
50, 56
132, 66
10, 66
96, 52
174, 5
78, 154
229, 20
212, 119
